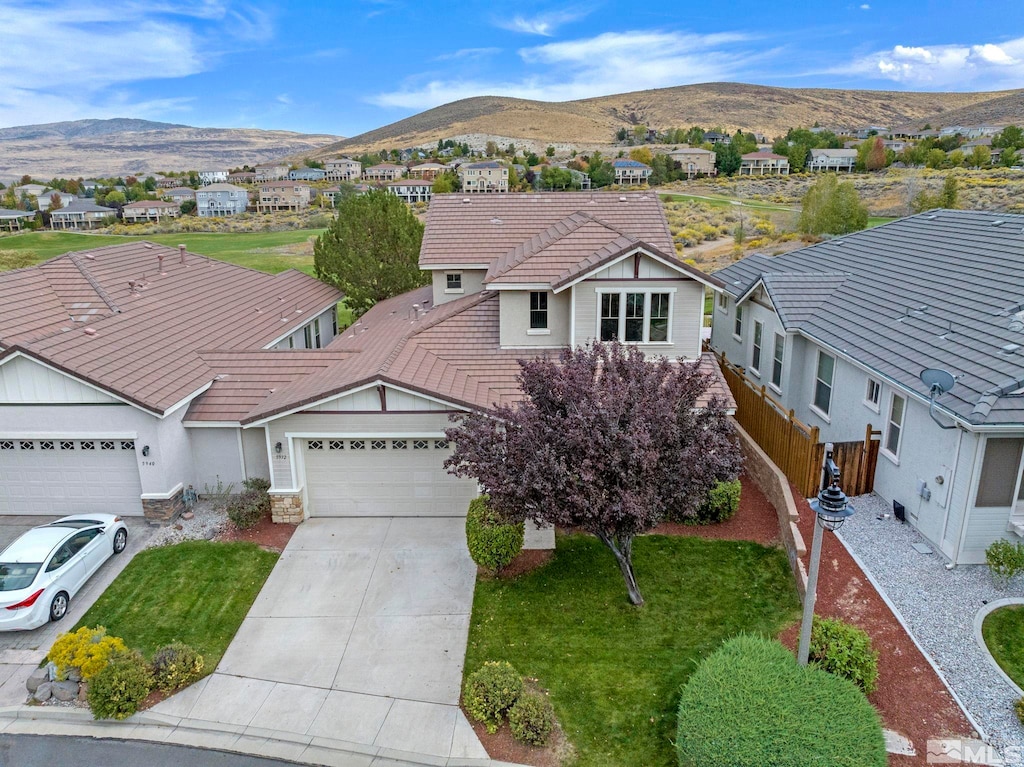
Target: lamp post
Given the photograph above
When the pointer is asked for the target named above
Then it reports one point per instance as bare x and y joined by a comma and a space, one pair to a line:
831, 509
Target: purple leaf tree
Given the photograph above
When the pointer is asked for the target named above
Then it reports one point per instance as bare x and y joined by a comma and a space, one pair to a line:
604, 440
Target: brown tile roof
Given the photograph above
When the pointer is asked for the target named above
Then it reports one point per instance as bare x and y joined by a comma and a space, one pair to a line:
81, 314
143, 204
489, 226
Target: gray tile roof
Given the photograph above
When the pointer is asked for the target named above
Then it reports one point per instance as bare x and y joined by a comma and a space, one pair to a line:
937, 290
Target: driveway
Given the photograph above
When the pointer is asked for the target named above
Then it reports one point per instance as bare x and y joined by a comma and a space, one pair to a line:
358, 635
21, 651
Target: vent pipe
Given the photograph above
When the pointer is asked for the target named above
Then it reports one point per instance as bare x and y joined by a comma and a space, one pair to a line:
181, 253
160, 263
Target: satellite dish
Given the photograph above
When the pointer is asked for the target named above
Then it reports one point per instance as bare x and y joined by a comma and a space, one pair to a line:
938, 381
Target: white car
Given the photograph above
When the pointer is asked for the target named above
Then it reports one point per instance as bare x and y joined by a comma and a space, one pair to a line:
43, 569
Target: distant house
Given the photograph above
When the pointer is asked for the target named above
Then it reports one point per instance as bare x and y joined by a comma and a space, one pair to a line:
90, 186
164, 183
221, 200
180, 194
149, 210
242, 177
271, 172
764, 164
872, 130
343, 169
427, 170
714, 137
411, 190
384, 172
45, 199
80, 214
896, 145
283, 195
10, 220
207, 177
630, 172
32, 190
484, 177
695, 161
832, 159
307, 174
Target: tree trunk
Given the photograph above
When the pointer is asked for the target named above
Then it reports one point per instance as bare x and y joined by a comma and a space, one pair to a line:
622, 548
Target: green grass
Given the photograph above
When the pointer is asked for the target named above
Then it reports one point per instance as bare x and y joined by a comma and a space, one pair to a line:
196, 592
265, 251
1003, 631
615, 671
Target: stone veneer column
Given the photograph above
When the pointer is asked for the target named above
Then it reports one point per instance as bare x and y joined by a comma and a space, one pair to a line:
163, 510
286, 509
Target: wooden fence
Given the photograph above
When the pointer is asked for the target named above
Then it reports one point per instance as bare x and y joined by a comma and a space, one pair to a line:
794, 446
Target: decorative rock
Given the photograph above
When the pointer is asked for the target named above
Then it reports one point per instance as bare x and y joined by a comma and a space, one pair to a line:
83, 692
43, 691
64, 691
37, 678
188, 515
74, 674
210, 535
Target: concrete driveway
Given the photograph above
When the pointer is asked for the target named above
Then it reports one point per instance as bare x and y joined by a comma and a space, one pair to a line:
21, 651
358, 635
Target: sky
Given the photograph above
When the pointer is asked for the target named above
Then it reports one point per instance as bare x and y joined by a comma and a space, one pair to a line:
347, 66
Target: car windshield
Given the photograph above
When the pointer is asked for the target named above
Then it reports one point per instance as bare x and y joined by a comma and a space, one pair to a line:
18, 575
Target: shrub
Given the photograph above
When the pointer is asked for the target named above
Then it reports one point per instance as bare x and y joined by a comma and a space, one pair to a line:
117, 690
492, 541
176, 665
844, 650
749, 704
1018, 709
247, 508
491, 691
1005, 560
721, 503
88, 650
531, 719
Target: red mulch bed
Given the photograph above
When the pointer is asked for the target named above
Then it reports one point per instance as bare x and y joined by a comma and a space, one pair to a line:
266, 534
526, 561
911, 698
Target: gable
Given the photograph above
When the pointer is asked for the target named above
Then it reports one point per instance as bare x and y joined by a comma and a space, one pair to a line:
649, 269
368, 400
24, 381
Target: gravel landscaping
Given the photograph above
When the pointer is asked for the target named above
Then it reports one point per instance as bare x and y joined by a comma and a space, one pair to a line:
207, 522
939, 606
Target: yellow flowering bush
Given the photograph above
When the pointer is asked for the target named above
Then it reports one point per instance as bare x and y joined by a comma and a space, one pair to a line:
87, 649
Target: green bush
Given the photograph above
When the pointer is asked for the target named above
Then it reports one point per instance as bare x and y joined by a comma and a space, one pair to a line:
257, 484
531, 719
1005, 560
492, 541
721, 503
176, 665
491, 691
844, 650
117, 690
246, 509
749, 705
1018, 709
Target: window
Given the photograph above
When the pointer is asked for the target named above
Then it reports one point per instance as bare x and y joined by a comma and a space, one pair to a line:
336, 444
777, 357
894, 430
334, 322
453, 281
659, 318
420, 444
755, 359
999, 472
316, 333
873, 394
635, 317
737, 329
307, 337
609, 316
538, 310
823, 382
357, 444
316, 444
440, 444
128, 444
723, 303
378, 444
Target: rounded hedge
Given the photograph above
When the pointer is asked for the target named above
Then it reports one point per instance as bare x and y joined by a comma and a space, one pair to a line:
117, 690
492, 541
531, 719
491, 691
176, 665
844, 650
721, 504
750, 704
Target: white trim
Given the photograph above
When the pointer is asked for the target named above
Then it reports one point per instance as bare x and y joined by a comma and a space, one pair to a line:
523, 286
454, 291
884, 447
211, 424
163, 496
364, 435
241, 454
777, 387
686, 275
530, 346
831, 386
718, 303
759, 346
572, 317
647, 292
186, 400
270, 460
438, 267
823, 416
538, 331
425, 396
875, 407
69, 435
296, 328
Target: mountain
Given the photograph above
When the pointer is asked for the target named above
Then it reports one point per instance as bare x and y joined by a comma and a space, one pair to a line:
765, 109
124, 146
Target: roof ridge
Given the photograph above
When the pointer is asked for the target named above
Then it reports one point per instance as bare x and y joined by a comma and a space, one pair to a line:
100, 291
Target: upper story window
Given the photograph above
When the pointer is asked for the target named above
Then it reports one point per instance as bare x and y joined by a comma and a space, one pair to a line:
872, 394
777, 359
453, 281
894, 429
823, 377
635, 317
723, 303
316, 333
737, 329
755, 358
307, 337
538, 310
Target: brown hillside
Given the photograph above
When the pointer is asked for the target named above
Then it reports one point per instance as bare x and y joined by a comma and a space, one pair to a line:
729, 105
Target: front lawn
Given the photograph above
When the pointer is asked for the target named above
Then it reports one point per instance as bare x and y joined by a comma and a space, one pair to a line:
1003, 632
196, 592
615, 671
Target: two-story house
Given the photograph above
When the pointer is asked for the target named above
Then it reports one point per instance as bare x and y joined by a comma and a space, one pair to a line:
242, 177
271, 172
840, 332
343, 169
164, 183
307, 174
411, 190
207, 177
45, 199
837, 160
179, 194
221, 200
283, 195
764, 164
489, 176
385, 171
630, 172
427, 171
81, 214
149, 210
694, 161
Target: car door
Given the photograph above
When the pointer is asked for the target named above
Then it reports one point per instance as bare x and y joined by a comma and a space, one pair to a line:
96, 551
65, 569
84, 552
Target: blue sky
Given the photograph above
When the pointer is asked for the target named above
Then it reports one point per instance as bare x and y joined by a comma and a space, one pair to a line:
352, 65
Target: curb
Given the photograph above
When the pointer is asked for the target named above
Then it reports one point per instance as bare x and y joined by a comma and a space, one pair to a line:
198, 733
979, 619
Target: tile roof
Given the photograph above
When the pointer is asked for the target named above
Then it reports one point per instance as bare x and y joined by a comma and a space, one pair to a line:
763, 156
143, 204
8, 213
221, 188
621, 163
485, 164
942, 289
81, 206
844, 154
123, 320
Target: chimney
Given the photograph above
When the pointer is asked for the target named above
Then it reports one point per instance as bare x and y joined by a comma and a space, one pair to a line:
181, 253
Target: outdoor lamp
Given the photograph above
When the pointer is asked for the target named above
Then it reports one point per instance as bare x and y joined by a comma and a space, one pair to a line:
277, 448
832, 507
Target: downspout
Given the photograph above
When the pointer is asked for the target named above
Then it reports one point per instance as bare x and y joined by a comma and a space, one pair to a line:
952, 485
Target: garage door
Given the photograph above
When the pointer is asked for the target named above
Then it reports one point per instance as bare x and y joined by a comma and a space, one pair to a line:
69, 476
383, 477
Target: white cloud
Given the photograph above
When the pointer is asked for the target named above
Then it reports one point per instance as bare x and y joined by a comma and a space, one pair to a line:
544, 24
865, 7
284, 98
612, 62
991, 66
468, 53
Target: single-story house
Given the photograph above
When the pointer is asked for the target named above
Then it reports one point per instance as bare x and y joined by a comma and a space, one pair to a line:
840, 332
80, 214
11, 220
180, 194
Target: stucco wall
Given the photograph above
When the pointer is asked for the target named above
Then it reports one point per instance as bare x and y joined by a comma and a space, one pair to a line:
216, 458
472, 282
254, 449
515, 319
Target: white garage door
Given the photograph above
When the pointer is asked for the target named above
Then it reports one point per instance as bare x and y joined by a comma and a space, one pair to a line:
383, 477
69, 476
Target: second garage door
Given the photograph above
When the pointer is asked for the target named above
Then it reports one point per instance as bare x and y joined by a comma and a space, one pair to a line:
383, 477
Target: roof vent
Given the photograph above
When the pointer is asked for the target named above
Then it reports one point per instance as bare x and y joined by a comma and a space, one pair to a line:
496, 221
466, 201
623, 198
90, 257
147, 246
932, 217
90, 331
998, 222
1007, 349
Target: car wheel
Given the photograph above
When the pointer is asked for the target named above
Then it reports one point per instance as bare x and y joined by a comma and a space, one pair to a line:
120, 540
59, 606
